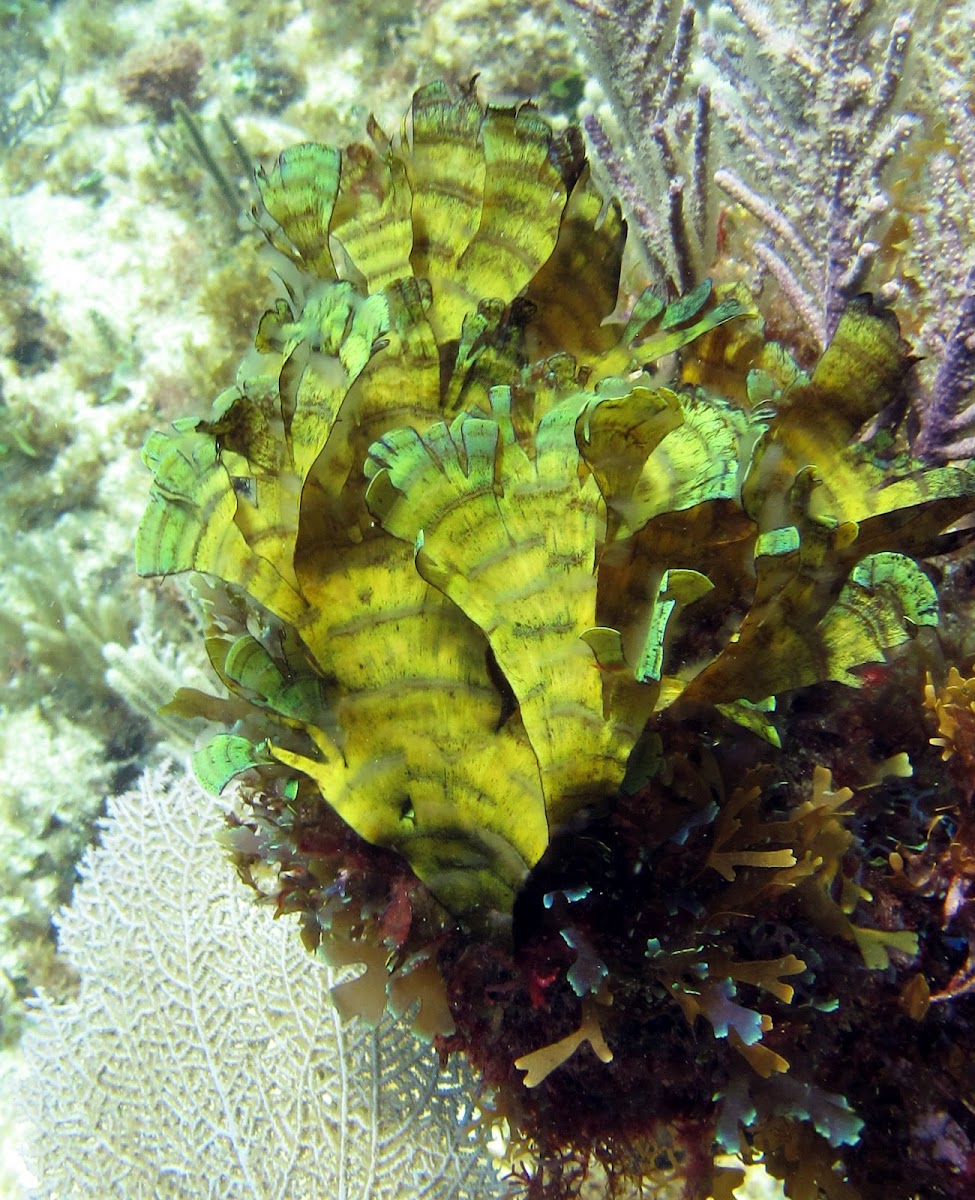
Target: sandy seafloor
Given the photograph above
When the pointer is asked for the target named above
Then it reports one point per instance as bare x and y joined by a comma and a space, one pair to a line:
127, 295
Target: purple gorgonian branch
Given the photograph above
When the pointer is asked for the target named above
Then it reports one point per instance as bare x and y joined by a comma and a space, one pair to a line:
652, 137
807, 99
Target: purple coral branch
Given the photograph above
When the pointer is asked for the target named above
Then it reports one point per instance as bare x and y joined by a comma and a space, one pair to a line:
948, 419
631, 196
641, 54
809, 114
679, 62
700, 147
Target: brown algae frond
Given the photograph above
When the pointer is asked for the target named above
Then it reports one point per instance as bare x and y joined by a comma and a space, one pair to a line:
505, 622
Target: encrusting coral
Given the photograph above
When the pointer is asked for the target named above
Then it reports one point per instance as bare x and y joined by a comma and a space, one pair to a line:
505, 621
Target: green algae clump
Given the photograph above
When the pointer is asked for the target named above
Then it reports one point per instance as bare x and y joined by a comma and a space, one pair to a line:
461, 529
546, 618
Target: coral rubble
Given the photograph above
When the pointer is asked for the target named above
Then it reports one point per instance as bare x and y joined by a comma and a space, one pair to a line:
563, 698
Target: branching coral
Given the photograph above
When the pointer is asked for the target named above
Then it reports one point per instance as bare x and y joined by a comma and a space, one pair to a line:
640, 53
509, 627
821, 79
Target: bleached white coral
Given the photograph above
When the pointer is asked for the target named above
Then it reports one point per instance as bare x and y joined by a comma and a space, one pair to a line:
203, 1056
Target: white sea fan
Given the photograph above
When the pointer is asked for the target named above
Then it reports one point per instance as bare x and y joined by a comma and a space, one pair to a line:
203, 1056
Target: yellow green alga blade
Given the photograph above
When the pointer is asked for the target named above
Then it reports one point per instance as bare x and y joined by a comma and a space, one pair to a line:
524, 197
299, 194
466, 810
511, 542
655, 330
861, 371
806, 626
577, 287
189, 524
446, 173
470, 546
371, 219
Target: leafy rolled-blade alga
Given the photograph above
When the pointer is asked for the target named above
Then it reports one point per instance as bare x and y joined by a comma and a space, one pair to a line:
471, 558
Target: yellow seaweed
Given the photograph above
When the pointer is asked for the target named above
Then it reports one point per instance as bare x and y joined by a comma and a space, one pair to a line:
465, 529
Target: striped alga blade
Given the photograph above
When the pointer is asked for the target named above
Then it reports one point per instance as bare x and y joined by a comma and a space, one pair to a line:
511, 541
911, 513
400, 383
806, 625
885, 597
299, 193
270, 436
248, 665
524, 197
577, 287
254, 454
695, 462
371, 220
446, 172
189, 524
655, 330
617, 431
861, 372
316, 380
461, 802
